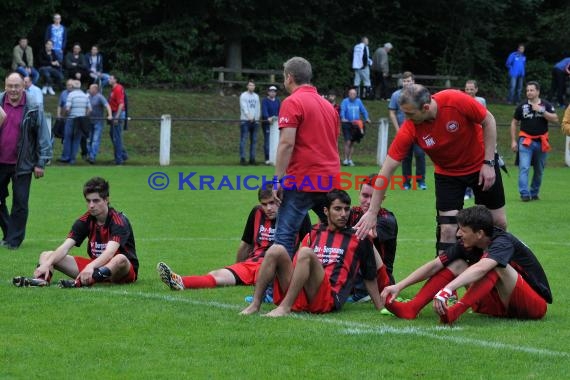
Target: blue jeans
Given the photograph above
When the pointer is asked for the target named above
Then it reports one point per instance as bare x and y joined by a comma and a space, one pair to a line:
51, 76
34, 73
417, 151
528, 154
294, 207
102, 79
515, 89
95, 139
245, 128
116, 133
71, 140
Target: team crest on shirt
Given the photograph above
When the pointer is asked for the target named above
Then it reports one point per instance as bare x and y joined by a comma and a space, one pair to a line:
452, 126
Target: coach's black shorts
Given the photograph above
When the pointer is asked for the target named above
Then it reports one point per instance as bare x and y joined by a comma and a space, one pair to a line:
449, 191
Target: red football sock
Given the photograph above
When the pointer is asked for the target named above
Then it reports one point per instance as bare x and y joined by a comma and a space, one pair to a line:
382, 278
475, 292
410, 309
205, 281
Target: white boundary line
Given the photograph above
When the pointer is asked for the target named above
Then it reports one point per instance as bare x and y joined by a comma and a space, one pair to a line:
355, 328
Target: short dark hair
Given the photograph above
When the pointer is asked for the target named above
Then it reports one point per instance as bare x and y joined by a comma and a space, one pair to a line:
335, 194
96, 185
265, 191
300, 69
477, 218
533, 83
407, 74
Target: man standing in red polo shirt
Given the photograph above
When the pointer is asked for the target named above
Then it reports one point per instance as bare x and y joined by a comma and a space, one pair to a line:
307, 159
117, 103
459, 135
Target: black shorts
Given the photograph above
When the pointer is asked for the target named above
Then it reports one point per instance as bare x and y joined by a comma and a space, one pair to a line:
449, 191
347, 131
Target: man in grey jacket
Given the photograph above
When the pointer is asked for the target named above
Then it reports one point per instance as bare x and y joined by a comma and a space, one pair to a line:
26, 149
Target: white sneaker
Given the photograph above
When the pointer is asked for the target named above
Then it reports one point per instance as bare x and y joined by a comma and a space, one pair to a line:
350, 163
51, 91
345, 162
44, 90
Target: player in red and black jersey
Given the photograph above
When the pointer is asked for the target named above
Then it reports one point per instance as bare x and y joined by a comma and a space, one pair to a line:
111, 246
258, 236
504, 276
320, 278
385, 240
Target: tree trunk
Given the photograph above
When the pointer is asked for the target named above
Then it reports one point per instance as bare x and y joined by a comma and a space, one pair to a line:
233, 52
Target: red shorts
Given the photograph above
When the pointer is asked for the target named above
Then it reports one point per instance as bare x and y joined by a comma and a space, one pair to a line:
525, 303
246, 271
323, 302
82, 262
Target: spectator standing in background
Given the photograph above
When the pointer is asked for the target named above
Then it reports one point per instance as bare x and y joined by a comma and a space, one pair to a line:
57, 33
361, 63
381, 70
532, 141
98, 106
397, 118
269, 113
560, 72
516, 63
117, 102
352, 126
250, 111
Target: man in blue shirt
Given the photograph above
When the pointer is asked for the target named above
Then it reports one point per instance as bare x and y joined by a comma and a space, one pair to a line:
269, 113
560, 72
350, 110
516, 64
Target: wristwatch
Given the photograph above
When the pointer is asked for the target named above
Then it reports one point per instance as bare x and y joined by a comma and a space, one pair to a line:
491, 163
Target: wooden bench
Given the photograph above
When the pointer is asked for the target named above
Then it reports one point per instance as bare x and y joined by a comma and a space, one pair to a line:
432, 82
242, 76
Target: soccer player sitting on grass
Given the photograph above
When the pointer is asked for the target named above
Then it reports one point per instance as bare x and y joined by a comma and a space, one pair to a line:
321, 276
385, 242
111, 246
258, 236
503, 275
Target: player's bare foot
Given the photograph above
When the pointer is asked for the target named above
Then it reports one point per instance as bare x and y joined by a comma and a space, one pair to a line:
278, 312
251, 309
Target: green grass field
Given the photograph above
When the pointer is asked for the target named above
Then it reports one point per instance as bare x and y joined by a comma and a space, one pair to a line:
144, 330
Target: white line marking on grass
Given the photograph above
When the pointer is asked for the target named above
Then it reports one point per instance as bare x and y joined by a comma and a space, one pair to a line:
355, 328
455, 339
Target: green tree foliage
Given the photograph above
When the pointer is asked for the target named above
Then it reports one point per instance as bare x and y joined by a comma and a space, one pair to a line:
168, 42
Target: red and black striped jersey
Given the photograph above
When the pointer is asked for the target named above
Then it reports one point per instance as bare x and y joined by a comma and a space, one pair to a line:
259, 232
116, 228
386, 230
505, 249
342, 254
